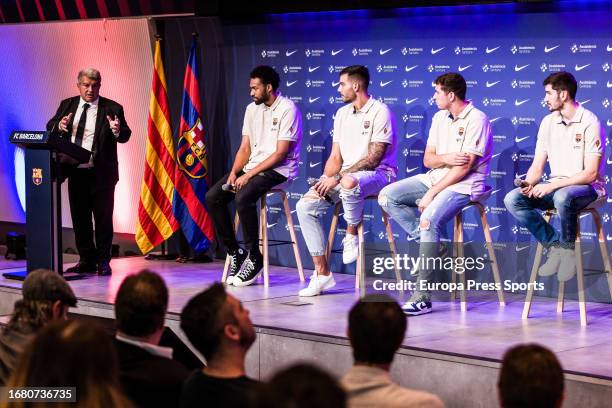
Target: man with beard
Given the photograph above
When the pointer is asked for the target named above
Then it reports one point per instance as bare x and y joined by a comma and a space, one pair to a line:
572, 140
268, 156
219, 327
361, 163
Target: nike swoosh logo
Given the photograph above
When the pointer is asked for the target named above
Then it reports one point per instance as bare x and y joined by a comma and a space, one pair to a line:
311, 133
495, 155
522, 67
496, 191
608, 48
494, 119
609, 162
519, 103
584, 102
490, 84
490, 50
436, 51
494, 228
520, 139
383, 52
336, 52
290, 83
409, 101
293, 211
313, 69
584, 215
609, 199
519, 249
516, 175
271, 225
547, 49
335, 84
314, 164
609, 237
461, 69
290, 53
311, 100
409, 238
609, 122
581, 67
408, 69
382, 84
411, 135
411, 170
608, 84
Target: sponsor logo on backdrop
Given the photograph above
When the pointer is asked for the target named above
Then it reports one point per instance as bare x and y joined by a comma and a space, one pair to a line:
493, 67
412, 51
493, 101
313, 100
416, 152
431, 101
492, 83
435, 51
583, 48
315, 115
295, 99
465, 50
581, 67
499, 138
361, 52
385, 51
587, 84
461, 68
522, 49
313, 132
548, 49
522, 84
415, 118
408, 69
269, 53
389, 100
289, 84
336, 52
314, 52
336, 99
523, 120
386, 68
315, 148
520, 139
605, 103
313, 69
518, 102
552, 67
520, 68
385, 83
471, 83
490, 50
287, 69
410, 136
498, 174
438, 68
605, 67
314, 83
521, 157
290, 53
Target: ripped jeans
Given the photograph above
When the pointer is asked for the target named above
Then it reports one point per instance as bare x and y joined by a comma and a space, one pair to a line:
399, 201
311, 208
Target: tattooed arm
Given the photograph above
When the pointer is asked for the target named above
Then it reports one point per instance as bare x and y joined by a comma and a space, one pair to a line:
376, 151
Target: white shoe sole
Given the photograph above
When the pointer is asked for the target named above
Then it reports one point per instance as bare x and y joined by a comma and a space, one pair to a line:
330, 284
238, 282
229, 280
422, 312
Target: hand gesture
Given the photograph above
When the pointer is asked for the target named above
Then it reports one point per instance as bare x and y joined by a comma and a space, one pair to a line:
63, 124
325, 185
113, 122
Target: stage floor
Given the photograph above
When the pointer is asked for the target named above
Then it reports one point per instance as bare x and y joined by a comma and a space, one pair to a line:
484, 332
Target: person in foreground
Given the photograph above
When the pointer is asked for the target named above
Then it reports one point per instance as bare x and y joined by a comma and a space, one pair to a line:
458, 154
530, 377
572, 140
96, 124
376, 329
46, 298
149, 375
362, 161
268, 156
219, 327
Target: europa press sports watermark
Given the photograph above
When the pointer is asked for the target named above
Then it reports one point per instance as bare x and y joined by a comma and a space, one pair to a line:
459, 265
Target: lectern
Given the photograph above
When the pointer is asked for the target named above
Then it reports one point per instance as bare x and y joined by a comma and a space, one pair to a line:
44, 154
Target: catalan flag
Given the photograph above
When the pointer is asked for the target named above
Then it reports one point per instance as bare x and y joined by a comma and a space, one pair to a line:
192, 164
156, 221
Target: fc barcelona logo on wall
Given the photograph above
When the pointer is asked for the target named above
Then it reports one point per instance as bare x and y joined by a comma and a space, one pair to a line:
366, 124
37, 176
578, 137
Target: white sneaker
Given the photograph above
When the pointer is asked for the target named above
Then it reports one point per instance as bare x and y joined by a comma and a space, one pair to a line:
318, 283
551, 266
350, 248
567, 265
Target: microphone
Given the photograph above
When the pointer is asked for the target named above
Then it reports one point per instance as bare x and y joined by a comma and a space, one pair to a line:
520, 183
312, 181
228, 187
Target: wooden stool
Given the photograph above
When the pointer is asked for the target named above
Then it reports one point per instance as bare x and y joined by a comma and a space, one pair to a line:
458, 251
265, 242
359, 273
590, 209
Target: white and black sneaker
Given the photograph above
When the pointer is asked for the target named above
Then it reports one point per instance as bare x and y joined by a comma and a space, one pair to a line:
251, 268
417, 307
236, 260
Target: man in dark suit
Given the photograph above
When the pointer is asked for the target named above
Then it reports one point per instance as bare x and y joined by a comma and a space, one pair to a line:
150, 376
96, 124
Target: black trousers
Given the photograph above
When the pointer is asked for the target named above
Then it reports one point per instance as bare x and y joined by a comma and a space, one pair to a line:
87, 200
246, 198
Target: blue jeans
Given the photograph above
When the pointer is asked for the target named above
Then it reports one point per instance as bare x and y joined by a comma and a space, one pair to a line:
566, 200
399, 201
311, 208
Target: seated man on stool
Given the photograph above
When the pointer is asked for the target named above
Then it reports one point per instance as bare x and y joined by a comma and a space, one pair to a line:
572, 140
268, 156
458, 152
361, 163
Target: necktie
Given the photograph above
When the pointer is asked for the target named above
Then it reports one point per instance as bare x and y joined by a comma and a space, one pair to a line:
78, 139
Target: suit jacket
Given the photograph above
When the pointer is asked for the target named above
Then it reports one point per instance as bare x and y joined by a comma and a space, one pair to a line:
147, 379
104, 149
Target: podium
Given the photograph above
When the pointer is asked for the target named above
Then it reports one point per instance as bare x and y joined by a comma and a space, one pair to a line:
43, 151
